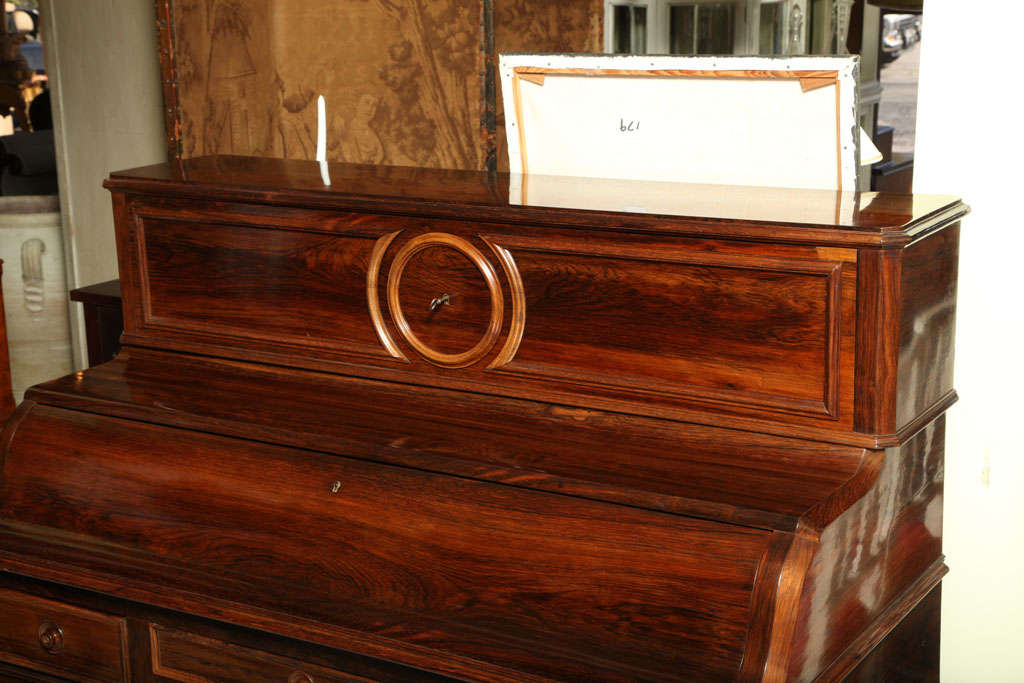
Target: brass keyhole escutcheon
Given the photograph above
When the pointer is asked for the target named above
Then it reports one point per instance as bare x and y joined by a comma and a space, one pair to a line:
443, 300
335, 487
51, 637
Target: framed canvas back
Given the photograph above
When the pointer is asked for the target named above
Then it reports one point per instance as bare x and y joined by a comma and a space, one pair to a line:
761, 121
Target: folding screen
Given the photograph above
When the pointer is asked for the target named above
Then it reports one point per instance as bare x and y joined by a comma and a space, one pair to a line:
407, 82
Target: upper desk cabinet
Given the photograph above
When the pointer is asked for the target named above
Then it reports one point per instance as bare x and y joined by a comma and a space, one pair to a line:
803, 313
428, 425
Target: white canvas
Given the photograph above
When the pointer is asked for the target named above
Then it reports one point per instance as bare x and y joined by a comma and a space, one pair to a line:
715, 128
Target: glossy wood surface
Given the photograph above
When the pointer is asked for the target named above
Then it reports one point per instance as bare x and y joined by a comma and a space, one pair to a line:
180, 656
59, 639
754, 329
100, 294
768, 213
798, 340
927, 328
445, 299
294, 288
882, 545
400, 429
104, 322
910, 652
726, 475
660, 324
442, 562
141, 619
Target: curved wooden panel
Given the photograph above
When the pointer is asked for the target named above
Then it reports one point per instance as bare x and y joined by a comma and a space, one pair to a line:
549, 585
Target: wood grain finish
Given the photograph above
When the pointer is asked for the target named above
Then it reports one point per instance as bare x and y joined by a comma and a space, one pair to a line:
178, 656
910, 651
726, 475
686, 321
216, 268
873, 552
398, 429
141, 618
776, 215
889, 630
790, 587
927, 329
104, 322
445, 298
759, 328
62, 640
907, 307
392, 543
768, 336
517, 295
877, 301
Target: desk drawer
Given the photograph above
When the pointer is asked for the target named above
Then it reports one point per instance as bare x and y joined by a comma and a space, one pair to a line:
643, 324
61, 639
178, 656
519, 580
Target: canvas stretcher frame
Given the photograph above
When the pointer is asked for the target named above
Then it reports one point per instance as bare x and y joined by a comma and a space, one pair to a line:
799, 115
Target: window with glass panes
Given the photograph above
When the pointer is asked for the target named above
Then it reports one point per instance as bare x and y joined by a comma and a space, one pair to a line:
696, 27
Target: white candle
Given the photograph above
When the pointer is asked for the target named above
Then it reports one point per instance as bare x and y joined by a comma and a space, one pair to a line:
321, 139
321, 129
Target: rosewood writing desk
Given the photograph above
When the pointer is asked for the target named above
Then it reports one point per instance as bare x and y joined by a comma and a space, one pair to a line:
398, 428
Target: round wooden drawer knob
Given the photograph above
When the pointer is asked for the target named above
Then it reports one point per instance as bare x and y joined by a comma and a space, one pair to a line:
300, 677
51, 638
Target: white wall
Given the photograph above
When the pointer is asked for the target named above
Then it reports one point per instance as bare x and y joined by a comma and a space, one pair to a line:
968, 143
101, 57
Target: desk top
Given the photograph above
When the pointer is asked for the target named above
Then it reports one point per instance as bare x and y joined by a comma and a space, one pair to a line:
821, 216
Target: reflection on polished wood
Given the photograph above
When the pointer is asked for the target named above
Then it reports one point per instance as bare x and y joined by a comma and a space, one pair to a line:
683, 446
792, 214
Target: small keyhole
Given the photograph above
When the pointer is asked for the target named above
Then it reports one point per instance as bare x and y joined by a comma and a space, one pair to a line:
335, 487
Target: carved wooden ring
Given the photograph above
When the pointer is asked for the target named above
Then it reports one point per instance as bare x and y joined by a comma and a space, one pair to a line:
401, 260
